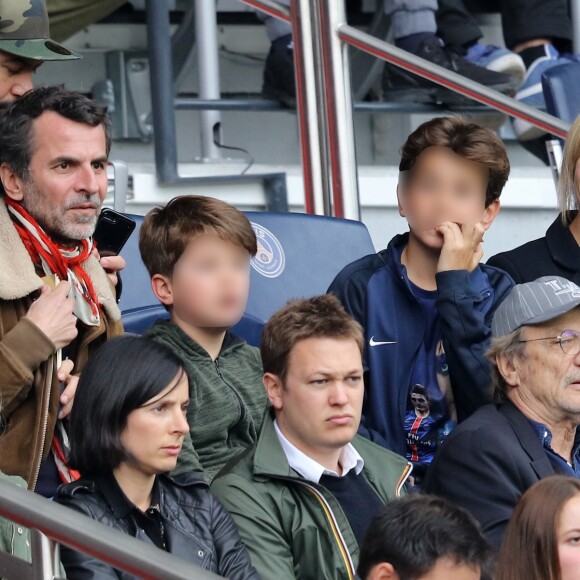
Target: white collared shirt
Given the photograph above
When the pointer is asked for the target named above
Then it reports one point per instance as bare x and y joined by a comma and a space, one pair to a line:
312, 470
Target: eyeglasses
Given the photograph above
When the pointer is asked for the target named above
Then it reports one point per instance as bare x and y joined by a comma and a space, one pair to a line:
569, 341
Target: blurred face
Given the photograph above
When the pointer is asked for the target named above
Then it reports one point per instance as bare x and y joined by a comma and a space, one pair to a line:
419, 402
568, 534
154, 432
547, 380
318, 408
442, 187
15, 76
67, 179
210, 283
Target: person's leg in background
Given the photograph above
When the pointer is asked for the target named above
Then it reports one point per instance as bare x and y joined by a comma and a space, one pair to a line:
461, 33
456, 26
279, 79
414, 28
540, 31
529, 22
67, 17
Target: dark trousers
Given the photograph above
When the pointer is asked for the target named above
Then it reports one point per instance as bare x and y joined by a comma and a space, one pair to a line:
522, 20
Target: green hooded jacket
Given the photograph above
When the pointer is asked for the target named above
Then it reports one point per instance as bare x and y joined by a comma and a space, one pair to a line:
14, 538
227, 398
294, 528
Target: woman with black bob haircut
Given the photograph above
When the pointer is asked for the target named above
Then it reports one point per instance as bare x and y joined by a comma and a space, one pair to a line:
126, 430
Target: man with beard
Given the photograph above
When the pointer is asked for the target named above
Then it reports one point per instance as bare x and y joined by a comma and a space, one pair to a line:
56, 302
25, 44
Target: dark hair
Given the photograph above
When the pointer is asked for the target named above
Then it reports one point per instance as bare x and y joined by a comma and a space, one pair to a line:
466, 139
16, 136
413, 532
530, 544
125, 373
166, 231
418, 389
317, 317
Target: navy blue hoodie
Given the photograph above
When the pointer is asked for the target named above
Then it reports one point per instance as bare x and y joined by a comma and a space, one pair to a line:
376, 292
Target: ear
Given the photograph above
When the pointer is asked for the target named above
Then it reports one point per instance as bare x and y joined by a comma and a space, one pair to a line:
13, 185
490, 213
161, 286
400, 192
273, 386
382, 571
509, 369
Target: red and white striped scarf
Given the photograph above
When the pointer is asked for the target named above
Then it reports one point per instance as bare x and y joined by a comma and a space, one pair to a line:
54, 258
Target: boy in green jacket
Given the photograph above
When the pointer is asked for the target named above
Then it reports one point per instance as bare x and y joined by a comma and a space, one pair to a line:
304, 495
197, 251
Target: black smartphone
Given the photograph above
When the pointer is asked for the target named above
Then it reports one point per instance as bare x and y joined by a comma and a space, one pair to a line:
112, 232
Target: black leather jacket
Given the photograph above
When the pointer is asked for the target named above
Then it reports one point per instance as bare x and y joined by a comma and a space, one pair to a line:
196, 526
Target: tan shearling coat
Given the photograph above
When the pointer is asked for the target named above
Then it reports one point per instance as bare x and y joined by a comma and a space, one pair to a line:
29, 387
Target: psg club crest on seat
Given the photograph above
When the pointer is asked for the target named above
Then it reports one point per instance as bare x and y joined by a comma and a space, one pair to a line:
270, 260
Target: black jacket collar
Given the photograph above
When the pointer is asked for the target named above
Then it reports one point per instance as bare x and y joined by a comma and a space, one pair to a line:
528, 439
120, 504
563, 247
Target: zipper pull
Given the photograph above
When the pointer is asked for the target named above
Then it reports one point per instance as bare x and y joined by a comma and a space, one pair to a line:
217, 368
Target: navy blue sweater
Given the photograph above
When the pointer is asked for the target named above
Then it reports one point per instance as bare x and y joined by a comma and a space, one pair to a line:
376, 292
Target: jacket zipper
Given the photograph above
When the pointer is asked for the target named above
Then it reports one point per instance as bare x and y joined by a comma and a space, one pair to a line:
239, 399
44, 425
404, 476
335, 529
332, 520
12, 538
334, 524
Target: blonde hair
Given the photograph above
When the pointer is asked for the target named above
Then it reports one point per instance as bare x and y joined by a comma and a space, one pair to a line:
567, 189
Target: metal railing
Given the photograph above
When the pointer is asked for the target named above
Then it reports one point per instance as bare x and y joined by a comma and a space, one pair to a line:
324, 97
51, 524
321, 37
163, 104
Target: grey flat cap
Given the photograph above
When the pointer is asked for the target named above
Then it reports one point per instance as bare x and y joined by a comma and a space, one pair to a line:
534, 302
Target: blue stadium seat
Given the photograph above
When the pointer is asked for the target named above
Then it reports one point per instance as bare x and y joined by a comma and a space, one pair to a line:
298, 256
137, 291
560, 85
138, 320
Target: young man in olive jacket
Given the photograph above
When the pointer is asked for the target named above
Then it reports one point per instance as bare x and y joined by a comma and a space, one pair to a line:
304, 495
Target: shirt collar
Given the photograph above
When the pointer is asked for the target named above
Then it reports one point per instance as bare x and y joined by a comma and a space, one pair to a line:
545, 436
121, 505
312, 470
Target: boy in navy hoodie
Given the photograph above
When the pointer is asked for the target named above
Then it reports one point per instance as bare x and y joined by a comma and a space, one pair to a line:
426, 303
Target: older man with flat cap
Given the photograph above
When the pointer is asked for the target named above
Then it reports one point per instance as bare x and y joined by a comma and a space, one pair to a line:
531, 431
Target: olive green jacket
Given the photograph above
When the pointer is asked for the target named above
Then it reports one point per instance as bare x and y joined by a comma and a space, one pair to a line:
226, 398
294, 528
14, 538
